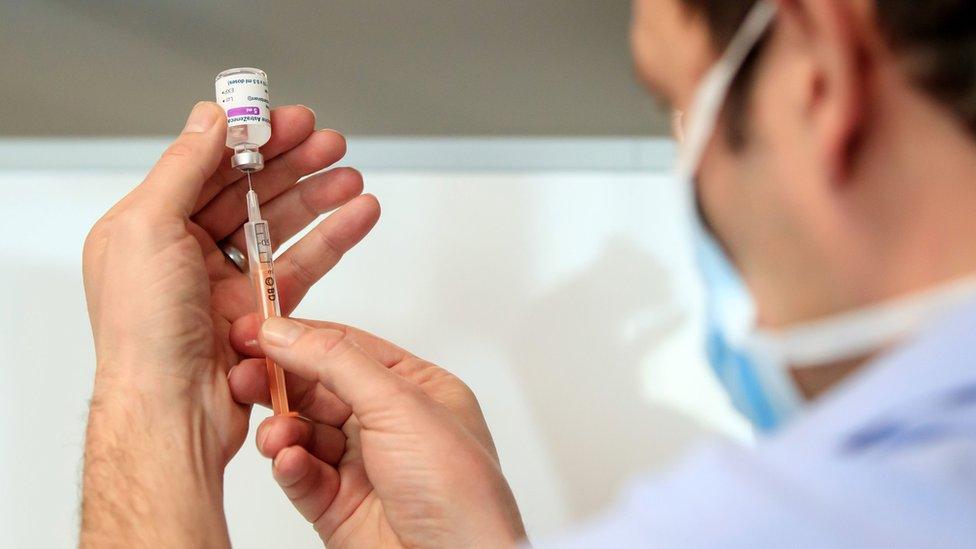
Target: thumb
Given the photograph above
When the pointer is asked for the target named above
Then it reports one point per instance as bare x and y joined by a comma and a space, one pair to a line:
336, 362
175, 181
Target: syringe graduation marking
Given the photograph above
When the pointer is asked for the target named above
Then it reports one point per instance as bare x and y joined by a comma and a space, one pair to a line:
264, 242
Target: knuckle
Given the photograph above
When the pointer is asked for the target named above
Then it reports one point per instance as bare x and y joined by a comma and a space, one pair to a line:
292, 172
306, 399
333, 342
308, 199
406, 394
180, 149
185, 150
133, 221
127, 221
461, 392
465, 390
452, 388
302, 272
324, 241
95, 236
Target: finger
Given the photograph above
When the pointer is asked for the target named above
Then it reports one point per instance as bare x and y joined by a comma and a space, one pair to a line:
227, 211
175, 181
309, 483
340, 365
316, 253
292, 211
290, 125
249, 385
276, 433
244, 333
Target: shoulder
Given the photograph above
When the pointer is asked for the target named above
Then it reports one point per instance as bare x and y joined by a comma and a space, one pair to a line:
720, 496
728, 496
888, 460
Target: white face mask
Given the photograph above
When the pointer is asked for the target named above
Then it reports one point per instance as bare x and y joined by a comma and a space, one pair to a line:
753, 364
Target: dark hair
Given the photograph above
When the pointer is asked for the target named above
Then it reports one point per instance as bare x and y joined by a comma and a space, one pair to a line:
936, 40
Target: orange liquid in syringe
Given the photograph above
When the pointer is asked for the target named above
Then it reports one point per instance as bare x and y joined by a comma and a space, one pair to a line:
267, 287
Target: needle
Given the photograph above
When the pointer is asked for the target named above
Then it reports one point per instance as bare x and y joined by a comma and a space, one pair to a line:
249, 187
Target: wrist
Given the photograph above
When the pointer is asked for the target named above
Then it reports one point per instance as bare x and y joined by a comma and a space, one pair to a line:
149, 474
144, 405
155, 380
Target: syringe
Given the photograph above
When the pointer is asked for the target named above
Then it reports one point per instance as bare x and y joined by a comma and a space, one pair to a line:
261, 260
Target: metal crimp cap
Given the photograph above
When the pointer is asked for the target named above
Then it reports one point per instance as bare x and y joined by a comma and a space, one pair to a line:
247, 161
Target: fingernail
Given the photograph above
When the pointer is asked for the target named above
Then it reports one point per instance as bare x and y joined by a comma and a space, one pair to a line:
309, 109
251, 344
281, 332
202, 118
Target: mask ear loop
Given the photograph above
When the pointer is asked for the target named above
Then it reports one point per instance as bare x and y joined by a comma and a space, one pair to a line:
678, 125
712, 93
843, 336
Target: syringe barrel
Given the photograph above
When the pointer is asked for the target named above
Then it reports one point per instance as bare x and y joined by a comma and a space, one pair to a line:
261, 262
262, 267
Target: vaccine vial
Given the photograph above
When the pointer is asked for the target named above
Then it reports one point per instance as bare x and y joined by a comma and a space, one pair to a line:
243, 94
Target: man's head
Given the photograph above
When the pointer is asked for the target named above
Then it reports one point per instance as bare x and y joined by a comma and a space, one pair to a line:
843, 170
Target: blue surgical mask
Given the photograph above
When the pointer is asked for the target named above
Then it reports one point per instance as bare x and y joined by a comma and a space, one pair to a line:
753, 364
729, 309
758, 389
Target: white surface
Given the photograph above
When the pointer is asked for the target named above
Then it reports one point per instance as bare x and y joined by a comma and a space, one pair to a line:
510, 154
564, 299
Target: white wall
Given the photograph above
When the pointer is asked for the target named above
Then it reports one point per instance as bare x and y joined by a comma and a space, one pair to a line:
565, 299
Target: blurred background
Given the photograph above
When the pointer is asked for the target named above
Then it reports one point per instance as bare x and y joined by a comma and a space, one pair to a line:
532, 239
370, 67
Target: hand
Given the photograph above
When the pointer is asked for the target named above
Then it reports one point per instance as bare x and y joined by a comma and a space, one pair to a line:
162, 296
391, 450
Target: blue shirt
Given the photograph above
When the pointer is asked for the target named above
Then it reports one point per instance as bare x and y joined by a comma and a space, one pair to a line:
888, 459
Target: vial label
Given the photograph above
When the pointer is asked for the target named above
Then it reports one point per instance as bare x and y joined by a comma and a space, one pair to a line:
244, 98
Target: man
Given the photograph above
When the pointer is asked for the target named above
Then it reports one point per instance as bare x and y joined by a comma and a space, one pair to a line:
832, 151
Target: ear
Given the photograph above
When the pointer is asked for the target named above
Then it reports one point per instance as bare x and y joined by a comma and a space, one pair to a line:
828, 30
